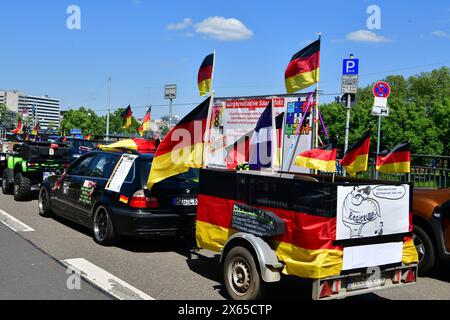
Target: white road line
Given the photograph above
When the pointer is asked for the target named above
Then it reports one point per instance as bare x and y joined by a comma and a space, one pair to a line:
106, 281
12, 223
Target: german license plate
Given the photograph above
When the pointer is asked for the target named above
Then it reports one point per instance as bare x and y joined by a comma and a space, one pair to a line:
185, 202
365, 282
51, 152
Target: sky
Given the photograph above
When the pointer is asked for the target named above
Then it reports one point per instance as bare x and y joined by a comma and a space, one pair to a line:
146, 44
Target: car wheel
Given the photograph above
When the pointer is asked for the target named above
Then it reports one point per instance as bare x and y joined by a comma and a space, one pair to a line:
22, 188
425, 249
104, 233
6, 186
44, 203
241, 276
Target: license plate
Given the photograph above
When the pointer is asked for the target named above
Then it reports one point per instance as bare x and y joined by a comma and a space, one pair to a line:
185, 202
48, 174
2, 158
51, 152
365, 282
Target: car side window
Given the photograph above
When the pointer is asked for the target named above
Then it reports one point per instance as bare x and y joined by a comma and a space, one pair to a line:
102, 165
81, 168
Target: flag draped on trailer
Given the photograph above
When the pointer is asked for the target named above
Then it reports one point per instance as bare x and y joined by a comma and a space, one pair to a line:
126, 115
357, 157
205, 75
182, 148
261, 142
323, 158
398, 160
303, 69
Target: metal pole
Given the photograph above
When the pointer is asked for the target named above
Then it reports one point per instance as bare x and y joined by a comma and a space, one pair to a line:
347, 126
171, 113
108, 107
378, 144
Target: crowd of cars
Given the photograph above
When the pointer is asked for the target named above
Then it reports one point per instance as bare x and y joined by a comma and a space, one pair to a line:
70, 176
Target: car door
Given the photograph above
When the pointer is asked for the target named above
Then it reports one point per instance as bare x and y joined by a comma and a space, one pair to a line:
67, 195
92, 184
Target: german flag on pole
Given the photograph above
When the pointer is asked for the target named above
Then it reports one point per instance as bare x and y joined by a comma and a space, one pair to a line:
182, 148
323, 158
357, 157
398, 160
35, 130
19, 129
126, 115
279, 121
145, 122
303, 70
205, 75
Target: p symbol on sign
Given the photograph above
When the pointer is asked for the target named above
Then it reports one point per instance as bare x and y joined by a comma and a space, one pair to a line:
351, 66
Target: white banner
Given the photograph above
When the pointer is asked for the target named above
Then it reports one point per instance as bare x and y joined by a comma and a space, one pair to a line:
372, 210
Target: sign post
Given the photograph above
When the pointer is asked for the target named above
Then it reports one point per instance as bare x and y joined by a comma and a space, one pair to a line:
349, 87
170, 93
381, 91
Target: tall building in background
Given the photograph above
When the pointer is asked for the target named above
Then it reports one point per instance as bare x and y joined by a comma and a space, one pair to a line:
46, 109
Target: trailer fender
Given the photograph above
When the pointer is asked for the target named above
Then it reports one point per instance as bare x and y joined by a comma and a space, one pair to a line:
269, 265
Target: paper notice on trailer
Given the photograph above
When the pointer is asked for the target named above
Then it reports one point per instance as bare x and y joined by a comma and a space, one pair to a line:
120, 172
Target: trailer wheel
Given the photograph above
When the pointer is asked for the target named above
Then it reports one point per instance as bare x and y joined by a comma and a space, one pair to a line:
22, 188
6, 185
241, 275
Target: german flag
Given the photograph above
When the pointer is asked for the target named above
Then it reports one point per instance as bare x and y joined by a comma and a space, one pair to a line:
205, 75
182, 148
19, 129
357, 157
126, 115
35, 130
323, 158
303, 70
398, 160
239, 152
145, 122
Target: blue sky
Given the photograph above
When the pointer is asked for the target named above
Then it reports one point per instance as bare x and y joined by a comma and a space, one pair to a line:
145, 44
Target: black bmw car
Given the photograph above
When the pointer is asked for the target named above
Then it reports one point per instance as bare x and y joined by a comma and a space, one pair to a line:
89, 194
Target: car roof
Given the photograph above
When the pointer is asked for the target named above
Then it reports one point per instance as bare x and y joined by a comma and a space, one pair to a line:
144, 156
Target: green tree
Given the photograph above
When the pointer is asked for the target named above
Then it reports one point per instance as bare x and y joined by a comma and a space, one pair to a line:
419, 112
116, 123
85, 119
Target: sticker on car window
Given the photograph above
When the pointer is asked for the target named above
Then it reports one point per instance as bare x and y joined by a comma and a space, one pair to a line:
120, 172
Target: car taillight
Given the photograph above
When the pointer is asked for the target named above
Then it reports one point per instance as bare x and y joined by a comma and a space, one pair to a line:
54, 146
31, 164
140, 201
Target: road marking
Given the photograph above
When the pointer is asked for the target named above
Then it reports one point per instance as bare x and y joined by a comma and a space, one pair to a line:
106, 281
14, 224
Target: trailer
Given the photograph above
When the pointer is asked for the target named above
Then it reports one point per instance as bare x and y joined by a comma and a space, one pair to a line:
346, 236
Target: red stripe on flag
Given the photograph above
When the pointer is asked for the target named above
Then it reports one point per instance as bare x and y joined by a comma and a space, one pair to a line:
319, 154
403, 156
302, 65
205, 73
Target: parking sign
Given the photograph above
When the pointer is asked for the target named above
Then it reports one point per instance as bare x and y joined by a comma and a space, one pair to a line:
351, 66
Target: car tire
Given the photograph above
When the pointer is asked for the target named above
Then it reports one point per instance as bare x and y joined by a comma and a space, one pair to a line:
44, 204
22, 188
104, 233
7, 187
241, 276
425, 249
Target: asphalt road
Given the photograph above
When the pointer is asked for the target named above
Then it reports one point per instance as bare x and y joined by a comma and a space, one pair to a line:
165, 268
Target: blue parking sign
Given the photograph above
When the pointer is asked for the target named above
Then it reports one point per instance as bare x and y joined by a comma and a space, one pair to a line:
351, 66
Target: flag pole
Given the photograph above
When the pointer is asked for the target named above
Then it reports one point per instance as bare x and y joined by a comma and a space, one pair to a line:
316, 108
208, 118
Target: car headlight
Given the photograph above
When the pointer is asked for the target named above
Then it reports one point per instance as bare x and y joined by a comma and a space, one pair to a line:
437, 212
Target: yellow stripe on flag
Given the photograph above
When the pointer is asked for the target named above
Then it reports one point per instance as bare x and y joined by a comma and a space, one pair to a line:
316, 164
302, 80
204, 87
396, 167
176, 162
359, 165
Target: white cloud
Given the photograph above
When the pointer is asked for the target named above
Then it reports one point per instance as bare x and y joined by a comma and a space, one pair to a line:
223, 29
186, 23
366, 36
441, 34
